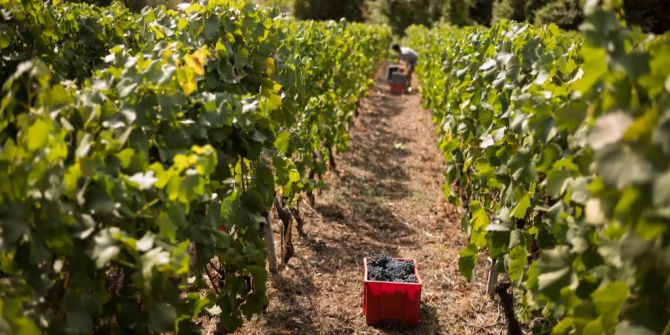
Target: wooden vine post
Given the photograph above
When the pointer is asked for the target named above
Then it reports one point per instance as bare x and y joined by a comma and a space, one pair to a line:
269, 240
493, 279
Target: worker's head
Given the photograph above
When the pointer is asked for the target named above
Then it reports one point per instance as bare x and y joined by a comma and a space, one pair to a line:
396, 47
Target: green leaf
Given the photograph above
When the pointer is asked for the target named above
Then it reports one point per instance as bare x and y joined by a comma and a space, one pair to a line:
556, 182
594, 327
609, 129
4, 39
621, 166
207, 159
167, 229
78, 319
628, 328
555, 268
497, 242
570, 117
143, 181
564, 326
293, 176
126, 87
282, 141
153, 259
162, 317
13, 320
71, 179
521, 207
579, 188
105, 248
597, 68
467, 261
521, 166
489, 64
479, 222
125, 156
608, 300
661, 191
37, 135
517, 263
146, 242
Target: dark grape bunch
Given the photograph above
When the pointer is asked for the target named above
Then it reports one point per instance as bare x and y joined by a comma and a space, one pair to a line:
383, 268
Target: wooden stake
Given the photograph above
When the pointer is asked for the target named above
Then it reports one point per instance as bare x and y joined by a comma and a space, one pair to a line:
269, 240
493, 279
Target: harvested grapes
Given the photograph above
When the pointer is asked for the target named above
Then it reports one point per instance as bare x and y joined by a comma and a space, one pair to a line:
384, 268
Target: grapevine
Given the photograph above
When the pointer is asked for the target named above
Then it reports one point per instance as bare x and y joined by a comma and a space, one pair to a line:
557, 144
139, 152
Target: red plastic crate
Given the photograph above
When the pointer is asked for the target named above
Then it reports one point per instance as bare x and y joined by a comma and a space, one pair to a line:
397, 88
389, 301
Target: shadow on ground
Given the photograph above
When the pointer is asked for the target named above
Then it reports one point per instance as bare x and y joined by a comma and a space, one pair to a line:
428, 324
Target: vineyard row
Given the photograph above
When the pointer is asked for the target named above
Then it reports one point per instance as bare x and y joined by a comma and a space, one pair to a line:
558, 146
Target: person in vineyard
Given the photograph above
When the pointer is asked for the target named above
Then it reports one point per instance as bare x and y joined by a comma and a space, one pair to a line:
410, 57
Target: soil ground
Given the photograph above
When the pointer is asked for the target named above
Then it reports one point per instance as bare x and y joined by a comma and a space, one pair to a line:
386, 197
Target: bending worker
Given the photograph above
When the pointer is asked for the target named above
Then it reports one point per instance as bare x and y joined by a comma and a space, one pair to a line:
410, 57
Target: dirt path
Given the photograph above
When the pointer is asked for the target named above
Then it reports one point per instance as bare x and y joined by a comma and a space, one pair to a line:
387, 198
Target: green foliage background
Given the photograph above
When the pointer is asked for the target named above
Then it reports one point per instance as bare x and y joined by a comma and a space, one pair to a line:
651, 15
351, 10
